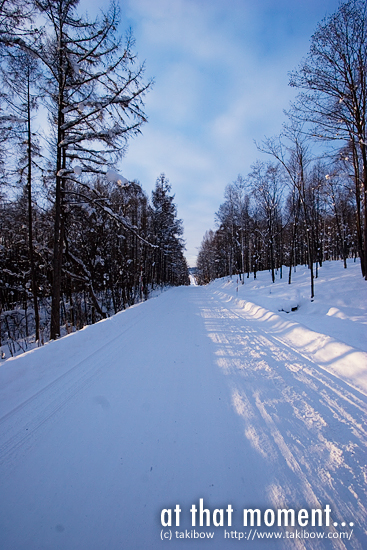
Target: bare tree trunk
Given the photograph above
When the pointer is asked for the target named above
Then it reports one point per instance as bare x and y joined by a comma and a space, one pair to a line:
357, 184
58, 227
364, 161
30, 212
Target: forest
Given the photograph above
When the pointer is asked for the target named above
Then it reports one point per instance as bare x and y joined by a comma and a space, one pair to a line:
78, 241
307, 203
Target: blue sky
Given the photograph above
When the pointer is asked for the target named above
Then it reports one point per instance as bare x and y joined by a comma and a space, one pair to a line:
221, 81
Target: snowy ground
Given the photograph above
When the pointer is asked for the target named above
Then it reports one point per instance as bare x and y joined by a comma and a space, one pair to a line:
336, 317
202, 393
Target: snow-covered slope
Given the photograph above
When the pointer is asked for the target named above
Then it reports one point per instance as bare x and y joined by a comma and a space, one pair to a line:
192, 395
331, 329
339, 308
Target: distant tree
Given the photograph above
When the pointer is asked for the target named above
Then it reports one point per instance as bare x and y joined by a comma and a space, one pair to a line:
267, 188
207, 270
226, 219
170, 265
341, 206
243, 221
291, 150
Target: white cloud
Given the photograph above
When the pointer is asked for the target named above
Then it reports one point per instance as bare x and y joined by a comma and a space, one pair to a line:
221, 82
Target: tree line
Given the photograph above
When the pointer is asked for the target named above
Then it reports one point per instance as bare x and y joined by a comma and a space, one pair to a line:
308, 202
77, 240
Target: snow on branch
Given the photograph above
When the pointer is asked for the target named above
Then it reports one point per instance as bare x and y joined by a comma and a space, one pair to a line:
117, 217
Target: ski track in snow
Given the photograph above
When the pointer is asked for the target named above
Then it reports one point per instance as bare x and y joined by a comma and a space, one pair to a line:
178, 399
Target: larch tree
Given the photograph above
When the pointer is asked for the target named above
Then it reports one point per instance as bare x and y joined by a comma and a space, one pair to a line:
95, 103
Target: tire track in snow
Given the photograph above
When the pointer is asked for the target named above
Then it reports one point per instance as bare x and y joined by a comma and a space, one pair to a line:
293, 409
19, 426
172, 435
307, 368
168, 437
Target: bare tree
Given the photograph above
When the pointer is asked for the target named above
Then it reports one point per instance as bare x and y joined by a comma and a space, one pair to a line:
95, 100
240, 192
20, 73
267, 188
226, 219
294, 158
14, 15
334, 80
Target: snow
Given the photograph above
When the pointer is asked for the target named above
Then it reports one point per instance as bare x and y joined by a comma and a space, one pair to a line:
78, 170
201, 393
115, 177
331, 329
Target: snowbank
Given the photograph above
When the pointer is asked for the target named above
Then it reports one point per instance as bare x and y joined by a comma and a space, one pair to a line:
331, 330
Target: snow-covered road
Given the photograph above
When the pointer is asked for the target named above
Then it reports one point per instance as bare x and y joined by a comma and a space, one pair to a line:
178, 399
